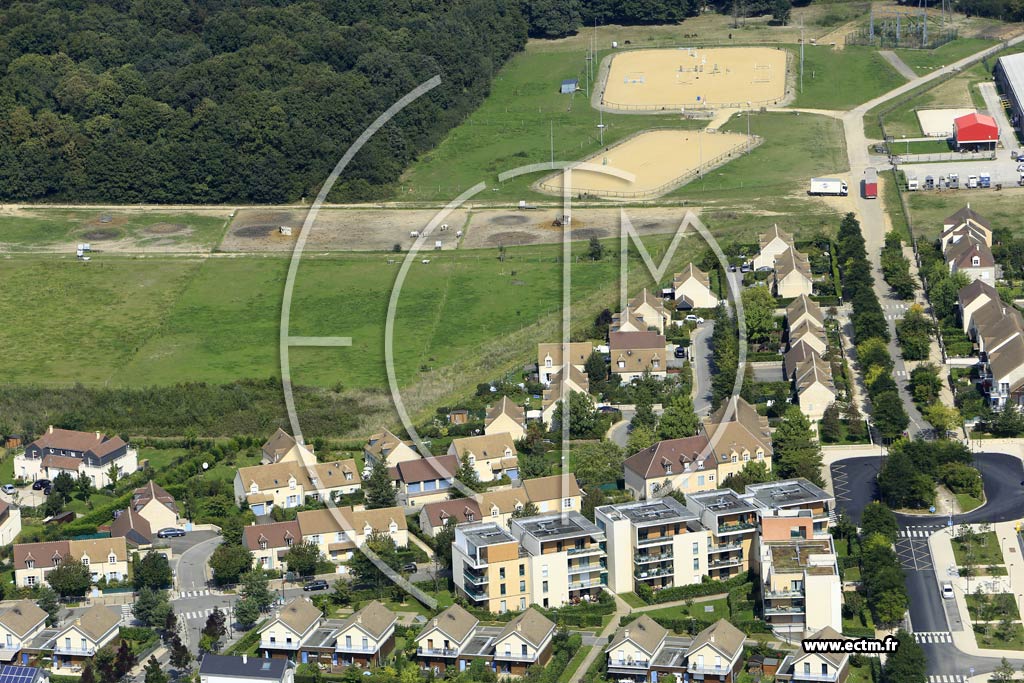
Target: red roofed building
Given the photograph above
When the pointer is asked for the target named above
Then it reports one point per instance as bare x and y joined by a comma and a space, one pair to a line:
975, 131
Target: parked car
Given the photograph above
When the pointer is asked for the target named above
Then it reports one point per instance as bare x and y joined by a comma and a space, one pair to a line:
745, 268
732, 268
947, 591
170, 532
315, 585
680, 352
694, 319
46, 491
409, 567
8, 489
40, 484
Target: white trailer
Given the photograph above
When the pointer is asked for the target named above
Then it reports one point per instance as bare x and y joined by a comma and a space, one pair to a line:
828, 186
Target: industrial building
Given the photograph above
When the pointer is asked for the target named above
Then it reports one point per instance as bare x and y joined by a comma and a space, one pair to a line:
1009, 75
975, 132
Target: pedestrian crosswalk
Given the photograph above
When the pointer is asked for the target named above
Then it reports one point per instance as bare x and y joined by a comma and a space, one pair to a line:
947, 678
918, 531
193, 594
933, 637
196, 615
126, 613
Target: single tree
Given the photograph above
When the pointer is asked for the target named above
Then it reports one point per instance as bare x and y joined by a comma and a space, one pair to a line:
70, 578
877, 518
644, 416
583, 416
640, 437
215, 628
88, 673
229, 562
256, 588
467, 474
83, 486
247, 612
47, 600
1004, 672
170, 627
796, 452
155, 672
890, 417
855, 427
181, 658
151, 607
907, 663
113, 474
597, 463
125, 660
830, 428
302, 558
379, 489
64, 484
595, 250
152, 571
365, 571
678, 420
443, 539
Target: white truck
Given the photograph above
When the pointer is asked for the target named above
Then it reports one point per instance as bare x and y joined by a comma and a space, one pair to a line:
828, 186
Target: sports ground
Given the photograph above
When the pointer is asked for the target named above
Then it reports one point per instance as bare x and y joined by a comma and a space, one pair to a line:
660, 160
695, 78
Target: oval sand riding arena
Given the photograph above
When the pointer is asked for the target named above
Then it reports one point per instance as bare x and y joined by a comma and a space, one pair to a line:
695, 78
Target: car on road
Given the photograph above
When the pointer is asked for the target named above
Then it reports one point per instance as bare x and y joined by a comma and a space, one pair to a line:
947, 591
47, 489
694, 319
315, 585
8, 489
745, 268
170, 532
40, 484
680, 352
409, 567
732, 268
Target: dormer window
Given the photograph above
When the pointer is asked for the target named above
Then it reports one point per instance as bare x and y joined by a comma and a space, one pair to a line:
288, 541
700, 465
494, 511
519, 507
655, 363
547, 362
367, 530
291, 482
975, 261
263, 544
668, 468
348, 476
471, 459
621, 364
253, 488
393, 527
85, 561
30, 564
112, 559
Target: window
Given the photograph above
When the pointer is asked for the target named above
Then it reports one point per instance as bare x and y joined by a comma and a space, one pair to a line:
696, 547
700, 480
567, 503
501, 573
544, 586
291, 483
668, 468
655, 363
67, 643
807, 667
288, 640
288, 541
696, 563
522, 603
824, 669
503, 590
85, 561
522, 570
544, 570
30, 564
502, 607
522, 586
315, 539
621, 364
30, 580
494, 511
366, 644
348, 642
746, 456
523, 650
471, 459
547, 362
263, 544
508, 650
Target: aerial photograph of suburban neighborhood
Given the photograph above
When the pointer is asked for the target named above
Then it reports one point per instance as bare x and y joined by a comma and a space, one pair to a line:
576, 341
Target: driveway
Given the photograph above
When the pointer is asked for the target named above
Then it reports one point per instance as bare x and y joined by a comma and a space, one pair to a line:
191, 570
700, 354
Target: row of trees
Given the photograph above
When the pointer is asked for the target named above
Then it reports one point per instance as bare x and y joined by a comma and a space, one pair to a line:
896, 267
858, 286
910, 473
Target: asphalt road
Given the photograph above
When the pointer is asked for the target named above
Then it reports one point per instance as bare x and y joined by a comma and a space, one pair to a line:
700, 352
190, 567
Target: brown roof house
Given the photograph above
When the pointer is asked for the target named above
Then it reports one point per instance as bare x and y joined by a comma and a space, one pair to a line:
107, 558
635, 353
550, 358
338, 531
269, 543
972, 257
427, 480
79, 640
155, 505
965, 222
792, 275
644, 312
685, 465
691, 289
578, 382
506, 417
737, 435
132, 527
282, 447
491, 455
772, 243
434, 516
973, 297
446, 641
65, 450
804, 308
387, 448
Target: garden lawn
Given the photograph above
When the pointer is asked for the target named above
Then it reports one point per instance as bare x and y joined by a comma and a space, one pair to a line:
574, 664
1004, 605
992, 641
967, 502
926, 61
720, 610
986, 550
842, 79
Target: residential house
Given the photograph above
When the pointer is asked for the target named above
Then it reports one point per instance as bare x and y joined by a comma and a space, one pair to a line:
644, 312
634, 354
387, 448
797, 353
716, 653
807, 332
445, 642
434, 516
634, 647
365, 638
998, 332
800, 586
65, 450
78, 641
245, 669
107, 558
491, 455
556, 493
578, 382
285, 634
20, 624
815, 389
972, 257
567, 563
972, 297
498, 505
523, 642
132, 527
815, 667
338, 531
795, 495
691, 289
685, 465
10, 523
506, 417
427, 480
282, 447
289, 484
550, 358
792, 276
737, 434
772, 244
965, 222
656, 542
803, 308
731, 521
269, 543
155, 505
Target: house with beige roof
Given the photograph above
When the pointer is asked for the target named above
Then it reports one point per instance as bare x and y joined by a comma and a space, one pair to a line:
965, 222
155, 505
497, 506
772, 244
644, 312
795, 355
107, 558
802, 309
716, 653
815, 388
506, 417
289, 484
269, 543
691, 288
282, 447
78, 641
556, 493
10, 523
444, 643
578, 382
65, 450
491, 455
971, 298
522, 643
737, 434
634, 647
366, 637
338, 531
792, 276
634, 354
550, 357
289, 629
808, 332
685, 465
815, 667
20, 624
387, 448
972, 257
997, 330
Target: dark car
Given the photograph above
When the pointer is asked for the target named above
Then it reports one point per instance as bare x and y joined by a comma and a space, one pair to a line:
680, 352
409, 567
40, 484
47, 490
170, 532
315, 585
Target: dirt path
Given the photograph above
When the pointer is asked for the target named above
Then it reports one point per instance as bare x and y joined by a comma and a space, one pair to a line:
898, 64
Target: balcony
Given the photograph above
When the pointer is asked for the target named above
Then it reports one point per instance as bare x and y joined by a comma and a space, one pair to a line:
720, 670
782, 611
79, 651
474, 579
278, 645
645, 559
735, 527
654, 540
590, 549
475, 593
474, 562
357, 649
815, 677
652, 574
586, 568
634, 664
585, 583
724, 548
510, 657
437, 651
726, 562
783, 594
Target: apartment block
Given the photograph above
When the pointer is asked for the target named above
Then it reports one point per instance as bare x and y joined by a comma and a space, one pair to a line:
794, 499
657, 542
800, 588
489, 567
731, 521
567, 556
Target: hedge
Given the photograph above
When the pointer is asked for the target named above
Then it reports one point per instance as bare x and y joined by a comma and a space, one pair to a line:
699, 590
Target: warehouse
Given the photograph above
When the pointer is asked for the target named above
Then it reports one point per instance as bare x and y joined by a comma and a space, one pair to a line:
975, 132
1009, 73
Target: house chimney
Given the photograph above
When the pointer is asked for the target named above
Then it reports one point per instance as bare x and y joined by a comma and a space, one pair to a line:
359, 618
519, 627
625, 634
245, 658
712, 636
49, 430
435, 621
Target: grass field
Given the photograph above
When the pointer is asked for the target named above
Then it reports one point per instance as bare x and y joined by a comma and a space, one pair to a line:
967, 502
1002, 208
43, 228
574, 663
926, 61
842, 79
986, 550
1003, 605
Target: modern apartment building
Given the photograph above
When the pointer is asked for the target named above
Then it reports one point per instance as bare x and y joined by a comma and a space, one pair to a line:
731, 521
656, 542
567, 556
800, 588
489, 567
795, 498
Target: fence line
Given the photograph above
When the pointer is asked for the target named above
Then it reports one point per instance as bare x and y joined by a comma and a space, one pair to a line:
943, 156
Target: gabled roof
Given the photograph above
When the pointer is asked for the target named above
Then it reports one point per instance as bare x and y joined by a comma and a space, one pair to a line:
374, 618
1007, 359
803, 305
383, 443
133, 527
253, 667
554, 487
455, 622
836, 659
84, 442
41, 554
962, 253
153, 491
324, 521
690, 272
428, 469
61, 462
457, 511
578, 352
276, 535
336, 473
965, 215
978, 289
792, 261
653, 461
814, 371
636, 340
553, 392
299, 615
745, 428
95, 622
279, 443
531, 626
765, 239
723, 637
505, 500
22, 617
485, 446
797, 353
644, 632
506, 407
804, 329
976, 128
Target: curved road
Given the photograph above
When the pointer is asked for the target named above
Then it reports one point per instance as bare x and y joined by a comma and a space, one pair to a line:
855, 486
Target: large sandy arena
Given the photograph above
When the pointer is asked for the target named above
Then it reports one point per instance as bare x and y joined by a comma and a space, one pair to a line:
938, 123
695, 78
661, 160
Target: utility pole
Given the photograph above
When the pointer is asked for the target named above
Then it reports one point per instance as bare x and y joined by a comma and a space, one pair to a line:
552, 124
600, 126
801, 54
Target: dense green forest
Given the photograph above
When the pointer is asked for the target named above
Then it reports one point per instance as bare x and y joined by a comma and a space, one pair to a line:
245, 100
